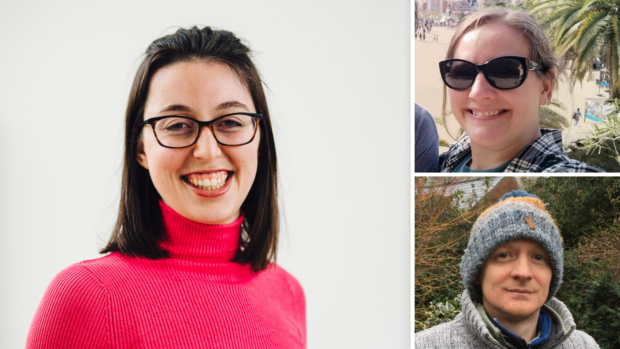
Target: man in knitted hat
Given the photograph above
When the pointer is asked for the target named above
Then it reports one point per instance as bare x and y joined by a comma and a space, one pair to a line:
511, 270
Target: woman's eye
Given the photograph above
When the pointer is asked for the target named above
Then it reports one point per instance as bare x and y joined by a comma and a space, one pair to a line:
230, 123
179, 126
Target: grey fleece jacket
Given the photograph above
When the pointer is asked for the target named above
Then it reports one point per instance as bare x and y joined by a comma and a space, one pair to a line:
472, 330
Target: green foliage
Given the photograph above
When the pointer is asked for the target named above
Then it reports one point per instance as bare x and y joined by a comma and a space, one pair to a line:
606, 136
578, 30
549, 117
604, 159
581, 206
443, 220
439, 313
593, 298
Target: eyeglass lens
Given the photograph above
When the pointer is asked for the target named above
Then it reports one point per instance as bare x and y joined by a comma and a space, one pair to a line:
181, 132
503, 73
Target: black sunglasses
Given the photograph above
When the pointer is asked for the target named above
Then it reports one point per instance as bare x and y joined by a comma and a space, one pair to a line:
503, 73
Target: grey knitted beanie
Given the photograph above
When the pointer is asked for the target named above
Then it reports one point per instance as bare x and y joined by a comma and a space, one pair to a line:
517, 215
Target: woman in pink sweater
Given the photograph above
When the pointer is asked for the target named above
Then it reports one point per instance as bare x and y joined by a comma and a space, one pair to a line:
190, 262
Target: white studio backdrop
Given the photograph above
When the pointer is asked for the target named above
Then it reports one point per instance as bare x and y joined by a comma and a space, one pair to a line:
338, 78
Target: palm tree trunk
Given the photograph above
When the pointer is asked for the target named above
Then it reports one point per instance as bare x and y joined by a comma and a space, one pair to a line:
613, 91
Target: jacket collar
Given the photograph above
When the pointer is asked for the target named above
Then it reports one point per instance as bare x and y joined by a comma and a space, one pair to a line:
476, 321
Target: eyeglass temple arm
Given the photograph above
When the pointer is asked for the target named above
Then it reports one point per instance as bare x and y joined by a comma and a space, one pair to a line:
535, 66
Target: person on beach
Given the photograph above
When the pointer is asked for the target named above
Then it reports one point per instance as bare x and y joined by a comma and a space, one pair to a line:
499, 70
511, 270
576, 116
190, 262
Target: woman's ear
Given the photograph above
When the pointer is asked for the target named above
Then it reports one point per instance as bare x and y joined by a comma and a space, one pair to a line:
547, 87
142, 156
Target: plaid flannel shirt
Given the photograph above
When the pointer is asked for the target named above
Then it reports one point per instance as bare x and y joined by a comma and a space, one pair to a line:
545, 154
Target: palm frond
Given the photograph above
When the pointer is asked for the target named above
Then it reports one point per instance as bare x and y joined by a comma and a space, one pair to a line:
550, 118
577, 30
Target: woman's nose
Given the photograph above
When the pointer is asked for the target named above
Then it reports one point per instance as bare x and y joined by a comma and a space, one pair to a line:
206, 146
481, 89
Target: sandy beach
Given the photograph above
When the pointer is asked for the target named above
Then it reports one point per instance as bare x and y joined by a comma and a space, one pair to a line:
429, 88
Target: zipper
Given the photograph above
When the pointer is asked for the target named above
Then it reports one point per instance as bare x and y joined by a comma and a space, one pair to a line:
561, 339
489, 337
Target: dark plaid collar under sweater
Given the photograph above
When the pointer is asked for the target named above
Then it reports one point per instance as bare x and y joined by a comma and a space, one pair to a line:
470, 331
545, 154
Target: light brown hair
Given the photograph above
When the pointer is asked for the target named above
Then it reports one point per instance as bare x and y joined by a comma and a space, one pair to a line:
540, 51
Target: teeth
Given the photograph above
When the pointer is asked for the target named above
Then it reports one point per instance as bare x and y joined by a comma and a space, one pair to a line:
210, 183
489, 113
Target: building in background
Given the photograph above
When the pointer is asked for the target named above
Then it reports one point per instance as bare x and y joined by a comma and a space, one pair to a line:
474, 188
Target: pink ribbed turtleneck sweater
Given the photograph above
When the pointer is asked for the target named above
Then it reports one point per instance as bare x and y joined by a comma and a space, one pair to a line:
197, 298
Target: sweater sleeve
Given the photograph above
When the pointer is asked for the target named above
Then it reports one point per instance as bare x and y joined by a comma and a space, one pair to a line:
74, 313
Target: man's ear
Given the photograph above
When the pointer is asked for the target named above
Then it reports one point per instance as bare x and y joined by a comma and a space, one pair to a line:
142, 156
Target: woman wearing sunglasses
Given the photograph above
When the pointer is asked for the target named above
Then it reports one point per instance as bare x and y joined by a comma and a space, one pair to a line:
190, 261
500, 70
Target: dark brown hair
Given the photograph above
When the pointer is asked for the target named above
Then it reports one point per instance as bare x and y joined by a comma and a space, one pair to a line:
139, 226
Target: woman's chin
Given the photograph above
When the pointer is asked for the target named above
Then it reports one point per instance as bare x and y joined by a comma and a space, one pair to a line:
488, 138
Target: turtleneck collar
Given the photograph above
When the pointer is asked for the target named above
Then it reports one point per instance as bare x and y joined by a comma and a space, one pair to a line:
197, 242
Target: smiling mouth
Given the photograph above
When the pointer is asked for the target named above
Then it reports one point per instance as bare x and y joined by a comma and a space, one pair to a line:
209, 181
488, 113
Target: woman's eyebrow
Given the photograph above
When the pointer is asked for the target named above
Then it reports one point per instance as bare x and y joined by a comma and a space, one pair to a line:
221, 106
176, 107
232, 104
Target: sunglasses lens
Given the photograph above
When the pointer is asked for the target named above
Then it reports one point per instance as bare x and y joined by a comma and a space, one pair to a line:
459, 75
506, 73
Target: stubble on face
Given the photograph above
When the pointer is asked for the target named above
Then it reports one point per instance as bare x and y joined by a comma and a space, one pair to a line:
511, 266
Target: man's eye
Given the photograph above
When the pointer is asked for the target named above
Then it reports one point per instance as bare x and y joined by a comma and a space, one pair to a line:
503, 255
539, 259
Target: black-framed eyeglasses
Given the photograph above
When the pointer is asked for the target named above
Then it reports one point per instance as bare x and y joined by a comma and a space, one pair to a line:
503, 73
175, 131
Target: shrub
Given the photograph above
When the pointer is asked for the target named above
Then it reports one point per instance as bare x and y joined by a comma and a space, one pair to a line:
443, 221
439, 313
593, 298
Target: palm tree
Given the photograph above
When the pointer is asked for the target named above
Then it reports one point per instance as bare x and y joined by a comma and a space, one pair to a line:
548, 117
578, 30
